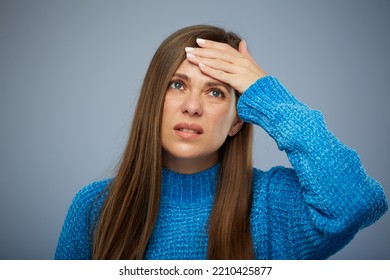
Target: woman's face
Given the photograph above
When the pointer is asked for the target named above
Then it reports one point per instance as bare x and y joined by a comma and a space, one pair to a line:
198, 114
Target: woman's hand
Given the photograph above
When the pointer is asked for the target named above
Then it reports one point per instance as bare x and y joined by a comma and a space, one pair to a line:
224, 63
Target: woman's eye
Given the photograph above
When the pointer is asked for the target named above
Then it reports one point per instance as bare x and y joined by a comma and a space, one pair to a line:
176, 85
216, 93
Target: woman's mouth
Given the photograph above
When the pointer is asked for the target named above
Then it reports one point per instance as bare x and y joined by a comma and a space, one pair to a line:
188, 130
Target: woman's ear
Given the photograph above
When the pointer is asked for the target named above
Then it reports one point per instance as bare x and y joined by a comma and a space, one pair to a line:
237, 125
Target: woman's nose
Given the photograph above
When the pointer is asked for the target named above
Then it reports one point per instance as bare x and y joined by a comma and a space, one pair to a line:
192, 105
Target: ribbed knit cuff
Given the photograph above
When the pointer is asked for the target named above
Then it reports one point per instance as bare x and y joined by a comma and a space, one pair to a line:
270, 91
269, 104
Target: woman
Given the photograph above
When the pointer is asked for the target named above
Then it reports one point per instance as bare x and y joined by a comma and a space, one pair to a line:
186, 187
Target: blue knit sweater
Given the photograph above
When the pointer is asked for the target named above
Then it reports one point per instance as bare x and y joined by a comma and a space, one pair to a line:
308, 212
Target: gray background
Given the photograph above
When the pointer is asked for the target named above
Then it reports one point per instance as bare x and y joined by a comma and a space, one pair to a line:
70, 73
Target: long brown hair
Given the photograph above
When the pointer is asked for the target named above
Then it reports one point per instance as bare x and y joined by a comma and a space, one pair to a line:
131, 207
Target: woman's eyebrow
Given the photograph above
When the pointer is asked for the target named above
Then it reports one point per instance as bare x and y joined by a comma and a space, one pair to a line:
216, 84
182, 76
209, 84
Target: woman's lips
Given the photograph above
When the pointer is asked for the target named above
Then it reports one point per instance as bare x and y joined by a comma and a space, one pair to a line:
188, 130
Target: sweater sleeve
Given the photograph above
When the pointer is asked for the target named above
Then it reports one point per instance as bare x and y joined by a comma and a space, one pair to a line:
330, 196
75, 241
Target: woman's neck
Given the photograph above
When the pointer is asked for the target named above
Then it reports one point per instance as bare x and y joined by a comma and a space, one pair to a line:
189, 165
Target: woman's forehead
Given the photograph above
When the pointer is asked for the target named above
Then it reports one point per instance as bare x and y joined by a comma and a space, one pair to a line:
192, 73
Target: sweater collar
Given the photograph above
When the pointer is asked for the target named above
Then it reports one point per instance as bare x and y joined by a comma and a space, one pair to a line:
185, 189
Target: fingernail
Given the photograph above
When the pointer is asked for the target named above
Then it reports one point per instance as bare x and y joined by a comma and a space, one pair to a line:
189, 49
190, 55
200, 41
201, 65
245, 45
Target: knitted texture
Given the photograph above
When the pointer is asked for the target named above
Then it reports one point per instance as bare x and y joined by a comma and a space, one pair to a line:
309, 211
